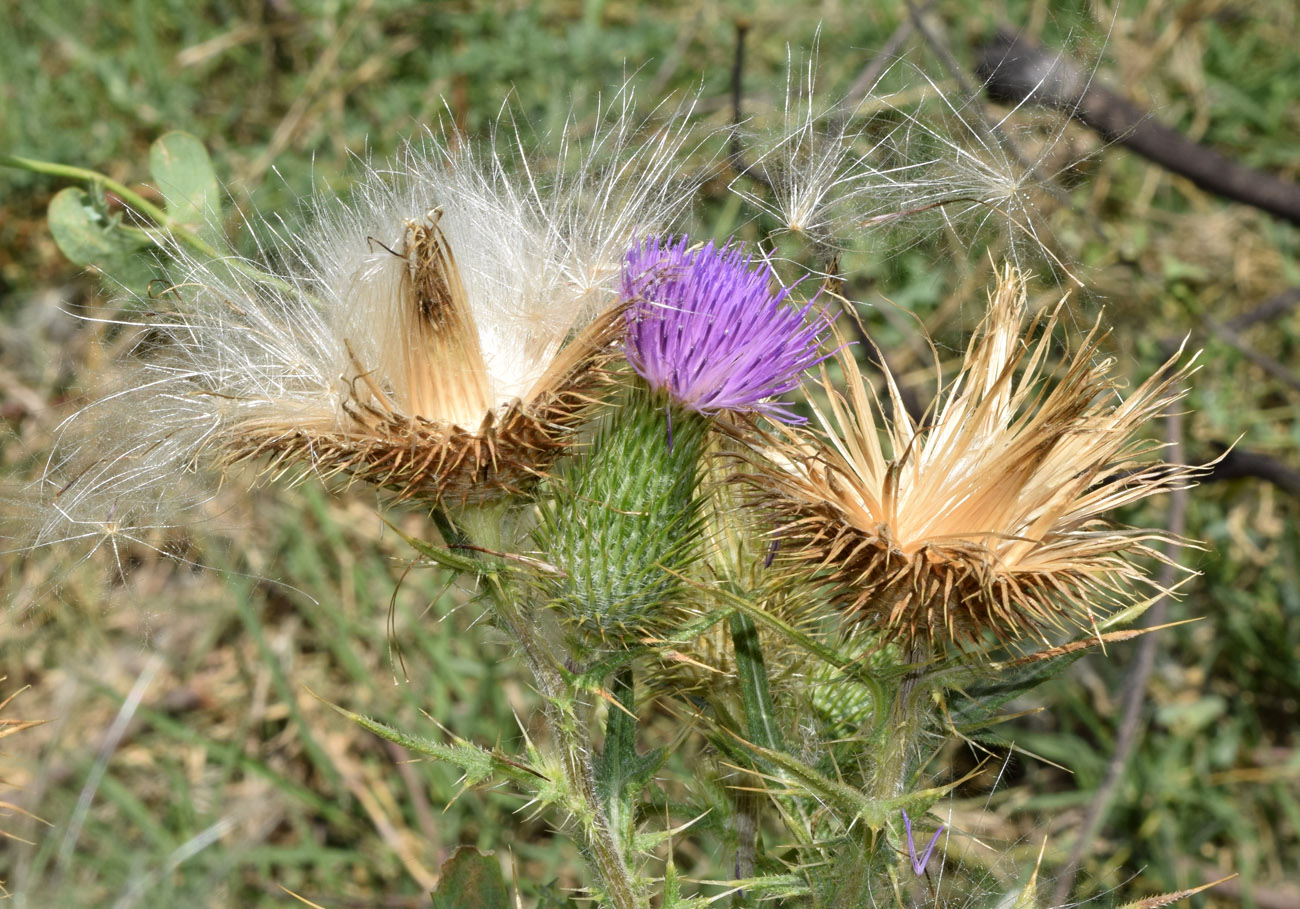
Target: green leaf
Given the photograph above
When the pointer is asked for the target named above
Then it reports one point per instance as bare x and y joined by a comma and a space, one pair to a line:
440, 556
751, 670
471, 880
88, 235
846, 801
977, 704
773, 886
478, 764
618, 756
621, 772
184, 174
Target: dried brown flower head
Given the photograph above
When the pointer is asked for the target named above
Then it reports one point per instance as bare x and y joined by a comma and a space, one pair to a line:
986, 519
423, 413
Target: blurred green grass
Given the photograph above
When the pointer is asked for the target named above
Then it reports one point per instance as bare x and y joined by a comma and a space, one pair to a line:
230, 781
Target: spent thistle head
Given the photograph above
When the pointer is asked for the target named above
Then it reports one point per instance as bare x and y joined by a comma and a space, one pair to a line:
986, 519
437, 335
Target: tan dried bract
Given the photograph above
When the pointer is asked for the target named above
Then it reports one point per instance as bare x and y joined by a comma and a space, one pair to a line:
985, 522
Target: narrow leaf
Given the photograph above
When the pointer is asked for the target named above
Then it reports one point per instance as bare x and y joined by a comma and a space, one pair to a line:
751, 670
477, 763
618, 759
441, 556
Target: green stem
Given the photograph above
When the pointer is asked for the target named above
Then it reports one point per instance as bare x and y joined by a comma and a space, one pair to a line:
143, 206
85, 175
901, 733
482, 526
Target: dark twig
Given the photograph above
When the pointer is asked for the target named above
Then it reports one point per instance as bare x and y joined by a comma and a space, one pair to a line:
1016, 71
946, 58
1135, 686
736, 155
1241, 463
738, 81
1229, 333
1270, 308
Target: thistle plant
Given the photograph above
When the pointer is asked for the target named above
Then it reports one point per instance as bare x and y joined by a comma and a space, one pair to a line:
606, 421
708, 339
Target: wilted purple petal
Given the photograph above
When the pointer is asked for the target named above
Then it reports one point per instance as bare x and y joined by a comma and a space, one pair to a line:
709, 329
918, 864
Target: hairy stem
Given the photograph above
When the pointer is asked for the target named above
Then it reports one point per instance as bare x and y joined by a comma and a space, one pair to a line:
482, 527
902, 731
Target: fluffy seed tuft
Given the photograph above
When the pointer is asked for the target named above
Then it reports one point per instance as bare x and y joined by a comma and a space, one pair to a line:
439, 335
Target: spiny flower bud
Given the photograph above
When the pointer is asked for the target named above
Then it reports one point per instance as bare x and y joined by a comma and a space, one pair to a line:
708, 334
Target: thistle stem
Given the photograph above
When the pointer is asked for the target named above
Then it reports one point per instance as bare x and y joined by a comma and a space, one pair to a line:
482, 526
902, 731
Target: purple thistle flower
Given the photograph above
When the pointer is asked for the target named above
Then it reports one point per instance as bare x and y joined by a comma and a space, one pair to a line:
918, 864
707, 327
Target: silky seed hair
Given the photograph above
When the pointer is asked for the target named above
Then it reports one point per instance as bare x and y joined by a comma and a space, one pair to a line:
436, 335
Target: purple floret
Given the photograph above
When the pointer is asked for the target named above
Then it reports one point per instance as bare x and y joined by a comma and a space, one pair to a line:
707, 327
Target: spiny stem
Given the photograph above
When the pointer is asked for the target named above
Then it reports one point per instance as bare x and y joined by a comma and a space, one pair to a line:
901, 732
482, 526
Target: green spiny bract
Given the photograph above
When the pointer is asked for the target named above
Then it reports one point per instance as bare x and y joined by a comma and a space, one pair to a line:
623, 521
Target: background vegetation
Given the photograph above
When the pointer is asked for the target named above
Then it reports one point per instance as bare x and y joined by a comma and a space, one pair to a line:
185, 762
